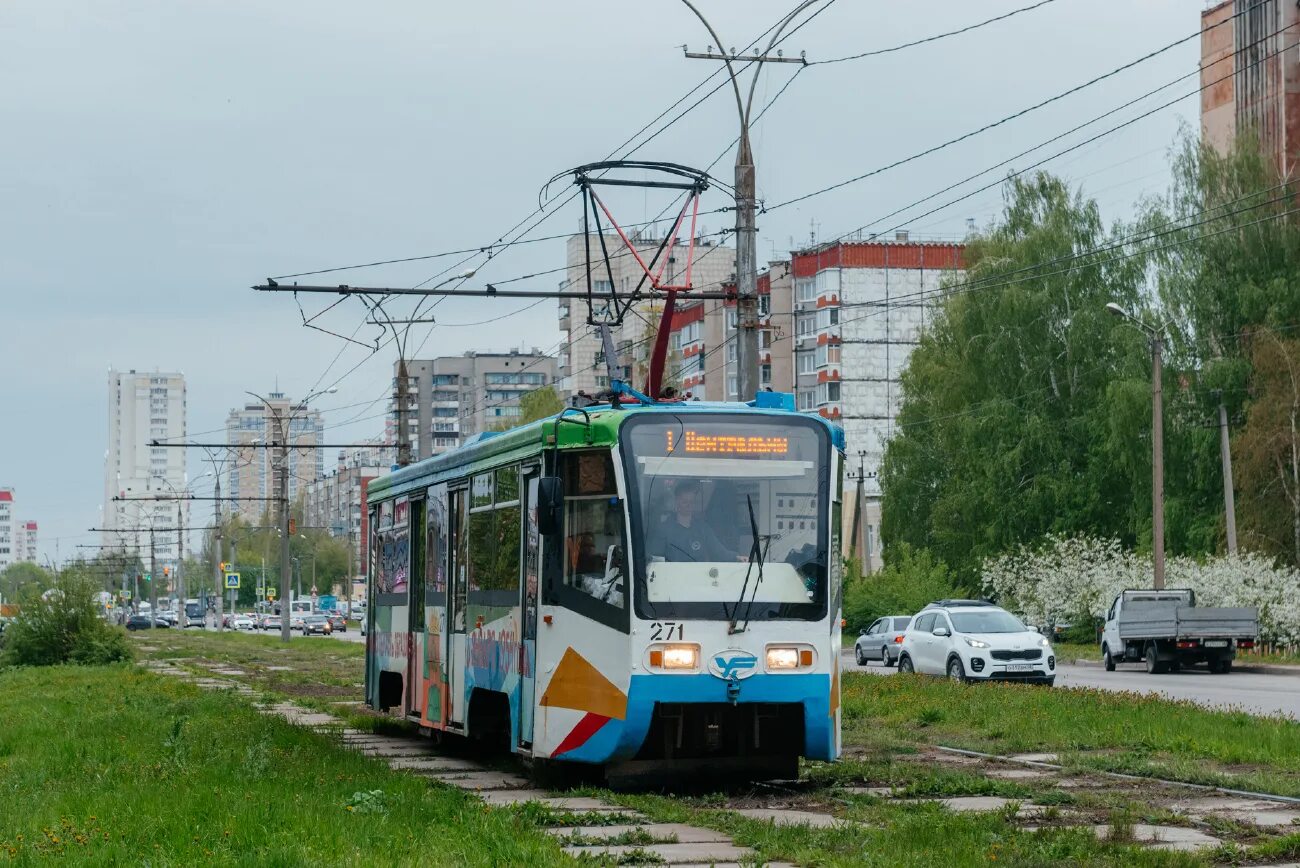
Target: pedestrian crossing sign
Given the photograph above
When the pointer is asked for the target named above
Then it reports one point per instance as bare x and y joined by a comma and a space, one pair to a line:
232, 581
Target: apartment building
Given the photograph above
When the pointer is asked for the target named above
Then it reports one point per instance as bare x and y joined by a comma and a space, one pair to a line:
704, 350
337, 500
581, 363
144, 407
25, 541
9, 548
1250, 76
249, 470
453, 398
859, 309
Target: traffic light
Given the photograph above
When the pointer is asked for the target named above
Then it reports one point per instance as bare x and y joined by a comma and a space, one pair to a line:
167, 572
148, 577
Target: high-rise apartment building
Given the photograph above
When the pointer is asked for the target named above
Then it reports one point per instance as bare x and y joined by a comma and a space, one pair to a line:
704, 349
582, 365
250, 471
452, 398
859, 309
144, 407
8, 542
25, 541
1250, 76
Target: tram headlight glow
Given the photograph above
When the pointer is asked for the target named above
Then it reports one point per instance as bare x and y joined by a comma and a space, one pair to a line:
681, 656
782, 658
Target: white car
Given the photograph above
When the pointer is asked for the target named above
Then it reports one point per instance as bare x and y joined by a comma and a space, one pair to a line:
242, 622
971, 640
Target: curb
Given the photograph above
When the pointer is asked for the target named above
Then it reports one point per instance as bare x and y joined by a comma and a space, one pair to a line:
1248, 668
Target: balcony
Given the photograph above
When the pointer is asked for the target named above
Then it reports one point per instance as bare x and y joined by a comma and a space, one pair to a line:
564, 316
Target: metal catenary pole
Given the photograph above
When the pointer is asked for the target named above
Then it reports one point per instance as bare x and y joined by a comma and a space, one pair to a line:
1157, 461
282, 477
217, 560
153, 586
1229, 499
747, 361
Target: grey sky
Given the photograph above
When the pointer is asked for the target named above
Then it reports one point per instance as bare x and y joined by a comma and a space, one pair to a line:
160, 157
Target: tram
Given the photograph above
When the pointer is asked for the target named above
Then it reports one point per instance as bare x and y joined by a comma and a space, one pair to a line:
639, 585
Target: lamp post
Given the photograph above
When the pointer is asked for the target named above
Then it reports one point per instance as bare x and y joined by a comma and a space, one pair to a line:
747, 379
282, 480
1157, 442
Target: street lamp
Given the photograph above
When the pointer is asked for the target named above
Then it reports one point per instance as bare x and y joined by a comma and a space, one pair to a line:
1157, 442
282, 472
747, 381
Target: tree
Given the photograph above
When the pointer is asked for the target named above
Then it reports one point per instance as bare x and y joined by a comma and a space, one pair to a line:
540, 403
1267, 451
1024, 404
16, 578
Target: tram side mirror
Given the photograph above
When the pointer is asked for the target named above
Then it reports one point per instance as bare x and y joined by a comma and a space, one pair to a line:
550, 505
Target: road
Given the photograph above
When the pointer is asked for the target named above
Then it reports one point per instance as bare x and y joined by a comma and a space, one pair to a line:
1256, 693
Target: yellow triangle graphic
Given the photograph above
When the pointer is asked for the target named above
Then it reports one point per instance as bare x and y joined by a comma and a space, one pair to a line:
578, 685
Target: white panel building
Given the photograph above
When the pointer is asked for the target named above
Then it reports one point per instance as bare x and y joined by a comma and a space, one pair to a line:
143, 407
860, 308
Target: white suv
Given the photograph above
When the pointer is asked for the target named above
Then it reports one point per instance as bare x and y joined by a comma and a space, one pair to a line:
971, 640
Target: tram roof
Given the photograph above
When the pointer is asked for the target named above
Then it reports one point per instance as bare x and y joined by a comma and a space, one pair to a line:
570, 428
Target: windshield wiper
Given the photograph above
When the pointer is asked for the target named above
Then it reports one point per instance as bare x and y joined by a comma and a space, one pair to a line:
755, 559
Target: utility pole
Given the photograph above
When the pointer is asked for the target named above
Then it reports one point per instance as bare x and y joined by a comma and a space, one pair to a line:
347, 577
747, 365
1229, 501
234, 560
857, 509
180, 562
153, 586
403, 430
1157, 459
217, 559
282, 476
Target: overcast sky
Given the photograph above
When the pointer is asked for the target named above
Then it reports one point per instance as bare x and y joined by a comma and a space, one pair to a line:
158, 158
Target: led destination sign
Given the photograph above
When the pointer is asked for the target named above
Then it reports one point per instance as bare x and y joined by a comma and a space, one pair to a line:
697, 443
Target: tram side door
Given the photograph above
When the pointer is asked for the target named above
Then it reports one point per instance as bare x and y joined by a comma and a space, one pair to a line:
528, 608
414, 680
457, 597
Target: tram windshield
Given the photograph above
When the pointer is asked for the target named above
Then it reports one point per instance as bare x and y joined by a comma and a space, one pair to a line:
724, 505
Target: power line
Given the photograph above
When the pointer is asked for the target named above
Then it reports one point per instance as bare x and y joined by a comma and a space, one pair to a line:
1014, 116
936, 37
1051, 157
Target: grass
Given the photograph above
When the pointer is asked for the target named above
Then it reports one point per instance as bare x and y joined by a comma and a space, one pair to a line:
880, 833
110, 766
1124, 732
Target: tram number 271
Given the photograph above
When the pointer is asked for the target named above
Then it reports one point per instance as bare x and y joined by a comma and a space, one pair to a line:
664, 631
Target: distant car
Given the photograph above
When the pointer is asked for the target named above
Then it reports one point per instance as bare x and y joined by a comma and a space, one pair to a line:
971, 640
242, 622
296, 622
141, 622
270, 622
316, 624
169, 616
338, 622
882, 641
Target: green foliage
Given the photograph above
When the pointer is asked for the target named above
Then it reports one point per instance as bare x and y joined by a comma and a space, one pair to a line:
16, 578
1027, 408
63, 625
540, 403
911, 579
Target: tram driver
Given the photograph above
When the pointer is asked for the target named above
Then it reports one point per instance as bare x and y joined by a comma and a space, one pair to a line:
682, 535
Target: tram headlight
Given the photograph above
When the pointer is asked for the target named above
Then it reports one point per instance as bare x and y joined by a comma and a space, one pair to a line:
681, 656
782, 658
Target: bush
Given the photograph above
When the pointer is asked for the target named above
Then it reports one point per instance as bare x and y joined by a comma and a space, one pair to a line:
63, 625
909, 581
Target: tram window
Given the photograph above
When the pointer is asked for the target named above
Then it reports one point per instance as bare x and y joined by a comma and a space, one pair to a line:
481, 494
495, 531
507, 484
593, 529
435, 562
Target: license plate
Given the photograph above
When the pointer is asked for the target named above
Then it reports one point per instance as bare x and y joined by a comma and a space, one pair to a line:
1216, 643
1019, 667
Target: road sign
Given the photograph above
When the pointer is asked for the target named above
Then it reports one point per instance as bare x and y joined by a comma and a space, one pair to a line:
270, 593
126, 595
232, 581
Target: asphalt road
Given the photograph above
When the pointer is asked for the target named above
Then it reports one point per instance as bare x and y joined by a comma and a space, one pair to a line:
1256, 693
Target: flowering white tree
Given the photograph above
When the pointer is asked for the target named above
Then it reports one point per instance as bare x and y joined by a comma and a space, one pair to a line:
1075, 578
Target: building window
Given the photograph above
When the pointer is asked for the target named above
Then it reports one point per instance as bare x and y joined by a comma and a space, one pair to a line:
805, 324
765, 375
765, 305
828, 393
805, 362
732, 316
807, 400
805, 290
